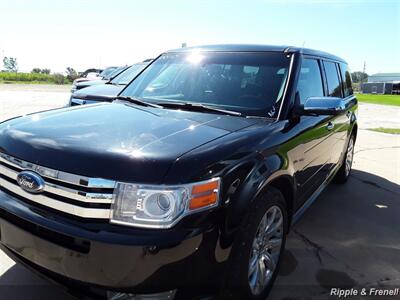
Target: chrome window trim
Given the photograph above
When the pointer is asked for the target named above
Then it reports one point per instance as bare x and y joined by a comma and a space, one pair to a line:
289, 78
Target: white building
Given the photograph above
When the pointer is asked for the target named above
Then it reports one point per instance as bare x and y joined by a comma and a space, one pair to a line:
382, 83
384, 77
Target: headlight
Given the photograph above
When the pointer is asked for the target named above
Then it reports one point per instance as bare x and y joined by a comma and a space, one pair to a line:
161, 206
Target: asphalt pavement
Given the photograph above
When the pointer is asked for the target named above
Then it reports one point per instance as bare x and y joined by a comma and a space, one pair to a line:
350, 237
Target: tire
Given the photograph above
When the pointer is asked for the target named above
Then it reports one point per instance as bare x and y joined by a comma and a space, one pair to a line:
344, 172
239, 280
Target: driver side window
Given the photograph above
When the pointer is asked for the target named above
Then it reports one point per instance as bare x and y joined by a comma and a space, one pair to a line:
310, 81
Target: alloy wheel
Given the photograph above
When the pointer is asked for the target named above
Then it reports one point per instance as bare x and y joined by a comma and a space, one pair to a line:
265, 250
349, 156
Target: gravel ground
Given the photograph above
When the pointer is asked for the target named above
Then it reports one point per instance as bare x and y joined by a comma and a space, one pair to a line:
20, 99
374, 116
349, 236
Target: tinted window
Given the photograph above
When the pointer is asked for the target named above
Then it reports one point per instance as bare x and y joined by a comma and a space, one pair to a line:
334, 87
107, 71
114, 73
310, 82
346, 77
126, 76
251, 83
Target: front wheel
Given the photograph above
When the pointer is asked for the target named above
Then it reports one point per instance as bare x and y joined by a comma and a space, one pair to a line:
258, 248
344, 172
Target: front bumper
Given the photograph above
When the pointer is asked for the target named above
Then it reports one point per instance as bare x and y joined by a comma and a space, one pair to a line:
108, 257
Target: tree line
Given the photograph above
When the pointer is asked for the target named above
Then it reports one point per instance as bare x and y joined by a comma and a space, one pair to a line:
10, 65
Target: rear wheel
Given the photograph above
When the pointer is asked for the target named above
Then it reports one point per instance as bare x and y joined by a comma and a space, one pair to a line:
257, 251
344, 172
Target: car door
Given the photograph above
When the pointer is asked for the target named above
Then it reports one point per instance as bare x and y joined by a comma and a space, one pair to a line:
349, 101
313, 163
339, 123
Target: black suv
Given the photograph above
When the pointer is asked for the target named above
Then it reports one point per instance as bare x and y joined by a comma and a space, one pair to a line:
188, 182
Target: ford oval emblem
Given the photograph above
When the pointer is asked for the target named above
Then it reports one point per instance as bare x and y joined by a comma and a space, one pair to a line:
30, 182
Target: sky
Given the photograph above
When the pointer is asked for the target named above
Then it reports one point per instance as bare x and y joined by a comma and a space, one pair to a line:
57, 34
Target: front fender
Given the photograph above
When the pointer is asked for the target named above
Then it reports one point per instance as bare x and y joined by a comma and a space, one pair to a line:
265, 172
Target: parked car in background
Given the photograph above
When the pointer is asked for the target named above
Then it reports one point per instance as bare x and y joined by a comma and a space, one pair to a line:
91, 76
106, 92
99, 80
188, 182
91, 70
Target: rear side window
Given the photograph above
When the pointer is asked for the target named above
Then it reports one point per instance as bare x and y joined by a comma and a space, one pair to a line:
332, 77
346, 80
310, 81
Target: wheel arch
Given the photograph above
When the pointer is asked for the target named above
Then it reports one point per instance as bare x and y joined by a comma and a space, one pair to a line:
285, 185
280, 180
354, 131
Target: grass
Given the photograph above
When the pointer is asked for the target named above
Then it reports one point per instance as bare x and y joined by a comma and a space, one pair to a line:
386, 130
32, 82
34, 78
379, 99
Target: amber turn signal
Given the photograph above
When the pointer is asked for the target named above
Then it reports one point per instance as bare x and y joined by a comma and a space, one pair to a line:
204, 195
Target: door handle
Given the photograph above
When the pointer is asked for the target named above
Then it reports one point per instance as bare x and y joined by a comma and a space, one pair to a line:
348, 114
330, 126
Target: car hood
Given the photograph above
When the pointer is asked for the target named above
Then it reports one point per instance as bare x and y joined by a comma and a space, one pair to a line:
85, 79
102, 90
116, 141
84, 84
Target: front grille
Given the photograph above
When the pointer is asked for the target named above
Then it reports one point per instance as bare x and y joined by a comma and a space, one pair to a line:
64, 192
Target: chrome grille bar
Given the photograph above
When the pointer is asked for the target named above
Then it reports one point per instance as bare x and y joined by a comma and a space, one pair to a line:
57, 175
55, 204
62, 186
64, 191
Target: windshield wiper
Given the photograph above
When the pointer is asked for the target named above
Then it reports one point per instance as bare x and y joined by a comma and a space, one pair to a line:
137, 101
199, 107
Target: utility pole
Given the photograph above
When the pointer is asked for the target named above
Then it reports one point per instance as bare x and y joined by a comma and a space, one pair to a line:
364, 69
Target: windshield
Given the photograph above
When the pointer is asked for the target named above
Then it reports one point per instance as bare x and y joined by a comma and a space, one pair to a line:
126, 76
107, 71
114, 73
248, 82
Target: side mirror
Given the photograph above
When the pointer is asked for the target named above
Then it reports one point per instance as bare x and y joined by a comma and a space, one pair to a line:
323, 106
